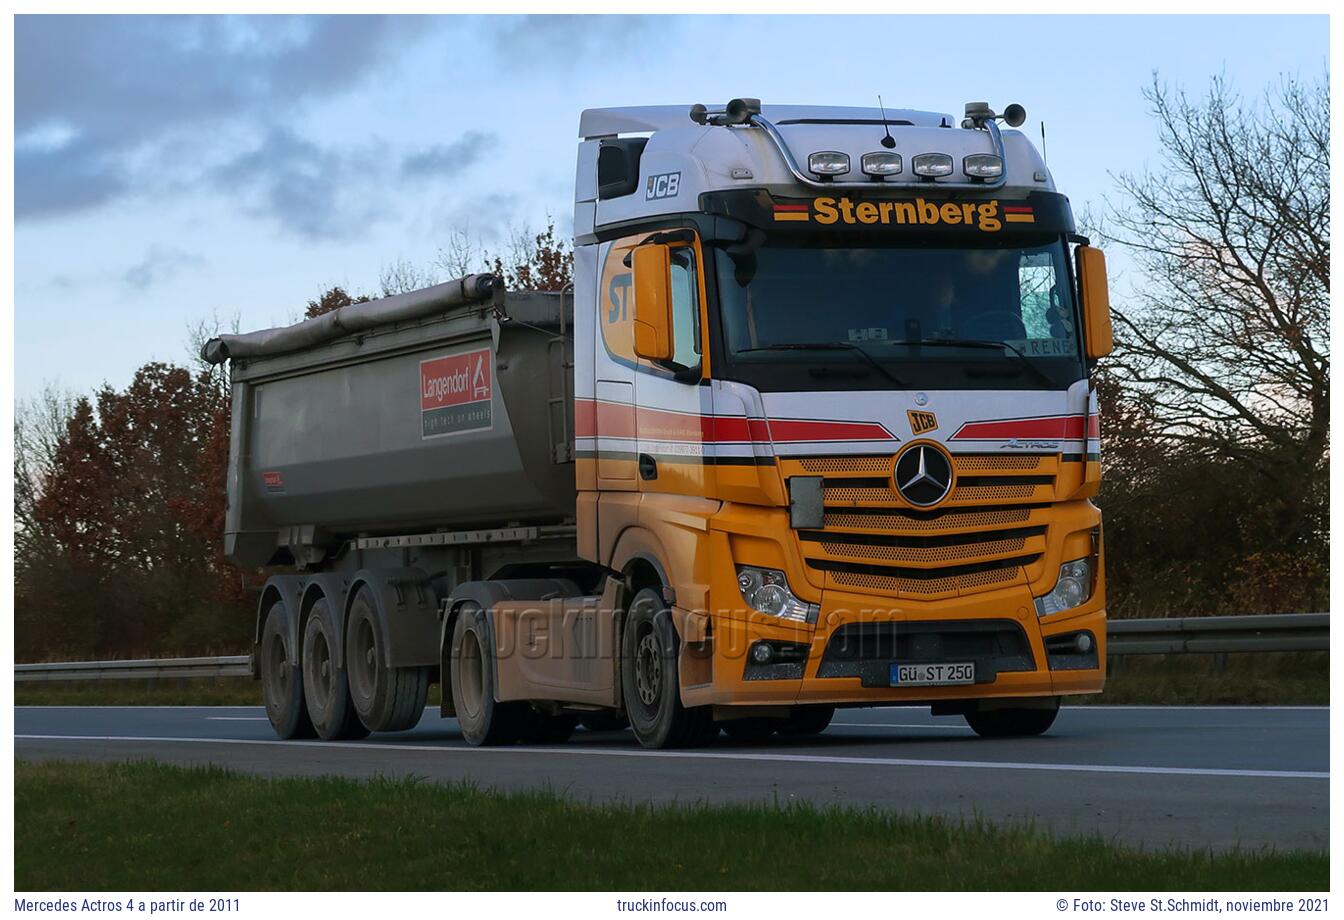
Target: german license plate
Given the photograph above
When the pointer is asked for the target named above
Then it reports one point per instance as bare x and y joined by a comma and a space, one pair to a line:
930, 675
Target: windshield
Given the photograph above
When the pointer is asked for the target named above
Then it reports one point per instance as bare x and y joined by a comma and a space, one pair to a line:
960, 318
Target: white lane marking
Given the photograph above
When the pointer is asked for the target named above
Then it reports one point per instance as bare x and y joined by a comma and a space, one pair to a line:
723, 755
236, 719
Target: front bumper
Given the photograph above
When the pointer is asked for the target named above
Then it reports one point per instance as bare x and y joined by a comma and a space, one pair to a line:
857, 638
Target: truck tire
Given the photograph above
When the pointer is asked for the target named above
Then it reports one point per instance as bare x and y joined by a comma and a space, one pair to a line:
808, 720
326, 688
649, 681
282, 678
386, 699
1012, 723
483, 719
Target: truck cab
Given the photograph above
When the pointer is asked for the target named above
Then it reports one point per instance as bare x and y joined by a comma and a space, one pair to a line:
833, 398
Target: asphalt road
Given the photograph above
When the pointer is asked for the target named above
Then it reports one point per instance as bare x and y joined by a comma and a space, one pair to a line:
1198, 776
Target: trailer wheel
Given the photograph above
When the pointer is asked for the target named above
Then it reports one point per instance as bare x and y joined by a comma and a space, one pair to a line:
282, 678
326, 688
386, 699
808, 720
1012, 723
483, 719
649, 682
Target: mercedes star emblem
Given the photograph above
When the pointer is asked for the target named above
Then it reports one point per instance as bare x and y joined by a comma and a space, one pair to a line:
923, 475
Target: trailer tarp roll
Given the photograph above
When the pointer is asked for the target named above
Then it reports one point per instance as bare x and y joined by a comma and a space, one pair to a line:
357, 317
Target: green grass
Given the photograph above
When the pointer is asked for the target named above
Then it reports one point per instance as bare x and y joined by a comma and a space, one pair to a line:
1283, 679
1263, 679
151, 826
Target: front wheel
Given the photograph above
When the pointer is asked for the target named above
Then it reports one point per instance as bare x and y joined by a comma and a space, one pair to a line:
1012, 723
649, 681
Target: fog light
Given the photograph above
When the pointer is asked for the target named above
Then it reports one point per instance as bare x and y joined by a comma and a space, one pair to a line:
982, 166
762, 653
881, 164
1083, 643
930, 165
828, 163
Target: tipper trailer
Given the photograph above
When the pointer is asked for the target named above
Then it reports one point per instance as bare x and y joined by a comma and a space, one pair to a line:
813, 428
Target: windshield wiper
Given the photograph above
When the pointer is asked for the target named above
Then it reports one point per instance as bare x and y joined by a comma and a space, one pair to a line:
831, 346
984, 343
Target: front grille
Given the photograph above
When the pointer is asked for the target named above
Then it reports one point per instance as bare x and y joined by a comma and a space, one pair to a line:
991, 526
867, 650
846, 464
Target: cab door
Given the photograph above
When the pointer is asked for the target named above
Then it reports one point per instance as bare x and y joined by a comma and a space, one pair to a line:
673, 418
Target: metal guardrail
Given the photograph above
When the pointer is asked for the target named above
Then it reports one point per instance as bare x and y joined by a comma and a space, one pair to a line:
1284, 632
141, 669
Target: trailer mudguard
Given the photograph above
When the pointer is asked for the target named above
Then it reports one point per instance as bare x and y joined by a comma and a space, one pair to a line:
288, 590
333, 587
407, 613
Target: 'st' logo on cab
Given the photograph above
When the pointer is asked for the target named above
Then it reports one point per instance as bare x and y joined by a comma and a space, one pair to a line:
921, 422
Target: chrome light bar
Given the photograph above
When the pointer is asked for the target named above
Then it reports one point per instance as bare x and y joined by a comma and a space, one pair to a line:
760, 121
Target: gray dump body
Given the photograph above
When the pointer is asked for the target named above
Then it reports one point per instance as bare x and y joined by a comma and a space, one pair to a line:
444, 410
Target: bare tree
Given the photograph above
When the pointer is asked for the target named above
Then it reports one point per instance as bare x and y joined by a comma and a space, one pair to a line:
39, 423
401, 275
202, 331
460, 255
1227, 332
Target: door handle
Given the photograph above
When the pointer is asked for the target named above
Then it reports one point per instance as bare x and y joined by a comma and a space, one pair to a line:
648, 467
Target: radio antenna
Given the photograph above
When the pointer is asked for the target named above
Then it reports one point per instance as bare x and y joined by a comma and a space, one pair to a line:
887, 141
1044, 156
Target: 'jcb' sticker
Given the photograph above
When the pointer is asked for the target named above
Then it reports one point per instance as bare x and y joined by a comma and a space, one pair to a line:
921, 422
663, 185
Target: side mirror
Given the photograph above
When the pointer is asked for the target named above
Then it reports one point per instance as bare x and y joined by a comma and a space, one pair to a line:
652, 266
1096, 302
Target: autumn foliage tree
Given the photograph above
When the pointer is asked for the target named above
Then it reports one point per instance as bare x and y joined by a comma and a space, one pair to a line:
127, 517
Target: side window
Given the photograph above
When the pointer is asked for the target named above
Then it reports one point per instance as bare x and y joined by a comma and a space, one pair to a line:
1035, 281
685, 308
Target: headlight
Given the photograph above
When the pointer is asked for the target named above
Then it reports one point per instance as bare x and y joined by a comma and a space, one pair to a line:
1073, 588
767, 591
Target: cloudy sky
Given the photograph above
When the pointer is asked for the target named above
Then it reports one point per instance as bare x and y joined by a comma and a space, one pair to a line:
173, 169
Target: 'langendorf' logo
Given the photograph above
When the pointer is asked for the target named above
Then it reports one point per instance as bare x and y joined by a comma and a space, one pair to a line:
455, 393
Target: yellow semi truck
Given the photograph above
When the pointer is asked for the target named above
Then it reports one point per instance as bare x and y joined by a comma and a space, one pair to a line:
813, 428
